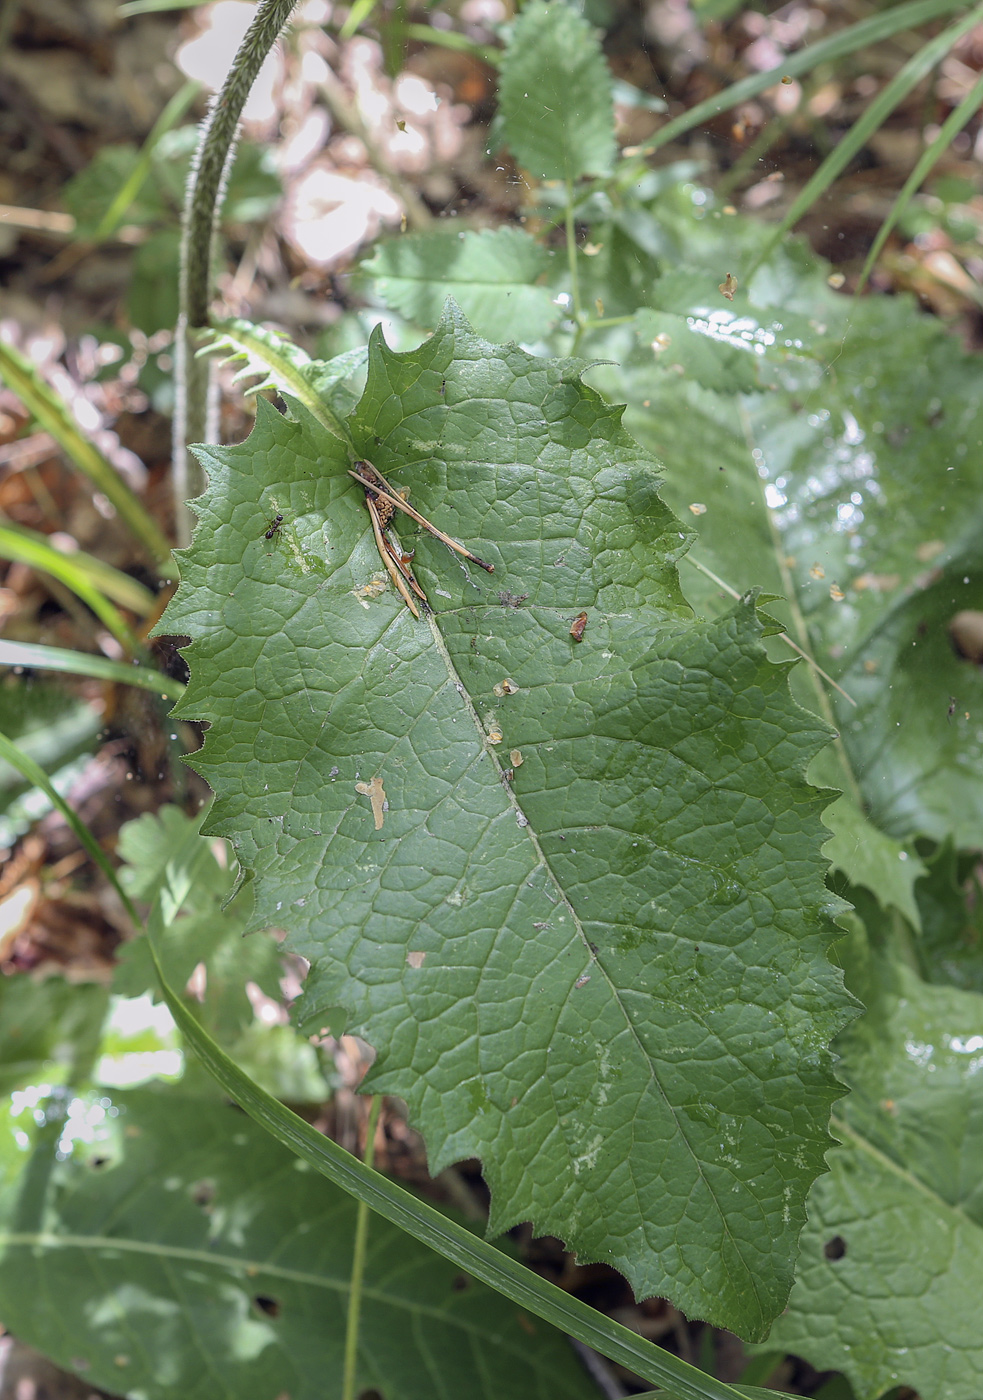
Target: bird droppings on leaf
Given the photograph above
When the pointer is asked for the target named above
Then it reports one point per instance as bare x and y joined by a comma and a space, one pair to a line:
376, 586
376, 794
505, 687
521, 819
515, 758
415, 959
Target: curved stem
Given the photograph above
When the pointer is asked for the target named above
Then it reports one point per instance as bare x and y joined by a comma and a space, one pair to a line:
202, 204
362, 1217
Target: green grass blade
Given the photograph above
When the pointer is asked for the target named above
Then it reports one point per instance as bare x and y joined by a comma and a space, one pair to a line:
857, 36
49, 410
153, 7
679, 1380
450, 39
80, 663
111, 583
955, 121
130, 188
874, 117
35, 774
38, 554
357, 15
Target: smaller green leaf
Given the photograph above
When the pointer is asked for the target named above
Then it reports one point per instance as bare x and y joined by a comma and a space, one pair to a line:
950, 903
130, 188
869, 857
46, 1028
492, 275
205, 928
90, 195
181, 1252
555, 95
152, 300
891, 1264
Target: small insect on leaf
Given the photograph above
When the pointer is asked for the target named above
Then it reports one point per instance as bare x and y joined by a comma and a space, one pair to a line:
578, 627
728, 286
273, 528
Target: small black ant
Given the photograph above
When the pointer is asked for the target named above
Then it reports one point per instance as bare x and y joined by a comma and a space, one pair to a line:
274, 526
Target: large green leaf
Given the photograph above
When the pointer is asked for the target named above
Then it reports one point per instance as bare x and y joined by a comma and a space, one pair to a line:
180, 1251
493, 276
891, 1270
555, 95
599, 966
853, 490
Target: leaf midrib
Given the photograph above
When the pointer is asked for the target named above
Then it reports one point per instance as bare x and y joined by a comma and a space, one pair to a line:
905, 1174
252, 1270
513, 801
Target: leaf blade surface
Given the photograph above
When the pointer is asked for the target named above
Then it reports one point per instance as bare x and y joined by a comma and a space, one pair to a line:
603, 971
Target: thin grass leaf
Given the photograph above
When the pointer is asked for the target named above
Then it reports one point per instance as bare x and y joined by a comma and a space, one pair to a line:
80, 663
153, 7
51, 412
39, 555
450, 39
112, 583
955, 121
130, 188
857, 36
35, 774
873, 118
679, 1380
357, 15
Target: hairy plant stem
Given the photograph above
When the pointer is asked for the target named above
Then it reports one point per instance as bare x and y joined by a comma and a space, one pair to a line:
362, 1215
192, 416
